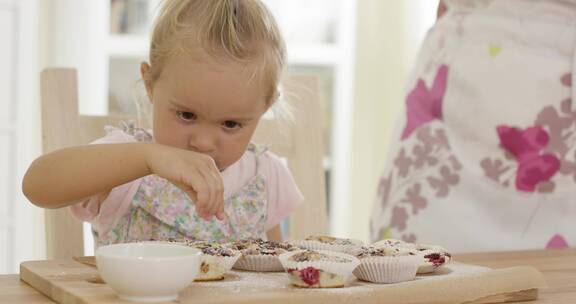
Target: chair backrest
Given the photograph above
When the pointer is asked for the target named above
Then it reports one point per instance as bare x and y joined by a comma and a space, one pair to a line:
300, 143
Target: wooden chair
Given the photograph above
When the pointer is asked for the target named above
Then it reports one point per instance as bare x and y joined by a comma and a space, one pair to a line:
300, 143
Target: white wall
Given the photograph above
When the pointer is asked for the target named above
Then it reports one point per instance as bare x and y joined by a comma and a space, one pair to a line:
20, 222
66, 25
37, 34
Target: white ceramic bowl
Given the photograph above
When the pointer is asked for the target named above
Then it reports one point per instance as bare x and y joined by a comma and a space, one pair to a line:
149, 271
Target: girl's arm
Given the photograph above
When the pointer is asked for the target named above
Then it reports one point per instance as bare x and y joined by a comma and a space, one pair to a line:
67, 176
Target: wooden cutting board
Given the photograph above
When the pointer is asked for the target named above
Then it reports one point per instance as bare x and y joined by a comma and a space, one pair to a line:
71, 282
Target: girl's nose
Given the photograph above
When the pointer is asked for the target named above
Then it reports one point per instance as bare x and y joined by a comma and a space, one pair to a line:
203, 141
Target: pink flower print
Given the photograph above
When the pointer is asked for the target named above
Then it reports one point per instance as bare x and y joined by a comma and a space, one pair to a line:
409, 238
415, 198
456, 165
403, 163
432, 139
493, 169
546, 187
569, 167
443, 183
566, 80
384, 190
423, 104
429, 140
566, 108
557, 241
399, 218
556, 125
526, 146
423, 155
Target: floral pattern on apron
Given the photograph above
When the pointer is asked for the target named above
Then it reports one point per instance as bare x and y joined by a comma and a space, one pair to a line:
485, 158
161, 211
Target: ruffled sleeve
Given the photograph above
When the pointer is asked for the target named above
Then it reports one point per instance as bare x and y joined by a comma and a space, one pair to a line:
101, 210
283, 193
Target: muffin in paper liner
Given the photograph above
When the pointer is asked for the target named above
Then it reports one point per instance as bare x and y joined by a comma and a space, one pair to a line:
213, 268
322, 242
432, 257
386, 265
318, 268
259, 263
261, 256
217, 259
393, 243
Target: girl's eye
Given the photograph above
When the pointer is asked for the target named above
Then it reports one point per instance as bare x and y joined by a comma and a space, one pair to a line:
186, 116
229, 124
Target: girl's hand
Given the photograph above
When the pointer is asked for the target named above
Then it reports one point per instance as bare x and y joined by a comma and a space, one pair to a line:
194, 173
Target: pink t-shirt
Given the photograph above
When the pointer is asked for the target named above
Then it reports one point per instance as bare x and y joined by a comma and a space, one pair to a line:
282, 192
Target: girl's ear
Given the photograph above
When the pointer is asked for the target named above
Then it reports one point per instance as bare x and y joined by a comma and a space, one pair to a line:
146, 77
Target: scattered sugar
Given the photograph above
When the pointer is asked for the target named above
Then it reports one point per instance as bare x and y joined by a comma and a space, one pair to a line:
261, 282
245, 281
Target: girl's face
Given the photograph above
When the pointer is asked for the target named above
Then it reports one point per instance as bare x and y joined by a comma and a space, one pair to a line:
210, 108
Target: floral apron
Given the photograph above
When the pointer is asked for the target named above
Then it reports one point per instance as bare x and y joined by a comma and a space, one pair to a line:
161, 211
485, 157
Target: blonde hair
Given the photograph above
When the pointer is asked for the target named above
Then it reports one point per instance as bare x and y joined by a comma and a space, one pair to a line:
240, 30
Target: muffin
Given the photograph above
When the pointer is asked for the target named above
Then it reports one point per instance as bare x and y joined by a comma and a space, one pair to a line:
261, 256
217, 259
318, 268
392, 243
324, 242
386, 264
432, 257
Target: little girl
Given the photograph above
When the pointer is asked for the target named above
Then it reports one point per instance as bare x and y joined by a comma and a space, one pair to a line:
485, 156
214, 70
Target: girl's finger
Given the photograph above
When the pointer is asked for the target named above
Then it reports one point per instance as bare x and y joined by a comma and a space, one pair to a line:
214, 181
200, 186
220, 212
219, 206
221, 215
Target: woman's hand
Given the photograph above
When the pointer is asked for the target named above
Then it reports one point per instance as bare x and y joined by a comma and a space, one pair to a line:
441, 9
194, 173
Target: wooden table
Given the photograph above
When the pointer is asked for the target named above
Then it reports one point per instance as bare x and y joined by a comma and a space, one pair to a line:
558, 267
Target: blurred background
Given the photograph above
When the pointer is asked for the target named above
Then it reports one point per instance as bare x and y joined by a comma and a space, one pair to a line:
362, 50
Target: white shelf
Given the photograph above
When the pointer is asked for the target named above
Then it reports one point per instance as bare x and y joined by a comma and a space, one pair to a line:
6, 222
327, 54
128, 46
135, 46
7, 130
327, 163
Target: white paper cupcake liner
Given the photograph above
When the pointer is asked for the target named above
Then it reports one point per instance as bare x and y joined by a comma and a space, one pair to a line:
428, 266
259, 263
222, 263
317, 245
388, 269
339, 268
393, 243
